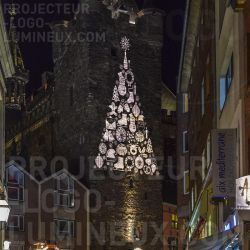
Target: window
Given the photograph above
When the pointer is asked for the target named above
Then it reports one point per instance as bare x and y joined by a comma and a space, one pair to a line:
65, 228
174, 221
225, 83
15, 184
186, 182
202, 98
64, 194
185, 142
192, 199
185, 102
16, 222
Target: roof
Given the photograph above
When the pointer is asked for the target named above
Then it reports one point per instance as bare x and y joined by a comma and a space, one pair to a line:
168, 99
188, 43
54, 175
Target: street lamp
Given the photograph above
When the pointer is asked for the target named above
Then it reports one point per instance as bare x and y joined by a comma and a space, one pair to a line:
6, 245
4, 210
4, 216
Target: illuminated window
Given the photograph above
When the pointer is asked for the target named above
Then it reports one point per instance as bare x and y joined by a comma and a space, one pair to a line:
174, 221
225, 83
185, 102
186, 182
16, 222
15, 184
64, 195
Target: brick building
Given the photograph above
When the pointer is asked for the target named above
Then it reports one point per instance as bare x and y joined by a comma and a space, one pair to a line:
170, 220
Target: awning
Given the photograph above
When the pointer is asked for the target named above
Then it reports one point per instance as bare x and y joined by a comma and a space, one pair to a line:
215, 242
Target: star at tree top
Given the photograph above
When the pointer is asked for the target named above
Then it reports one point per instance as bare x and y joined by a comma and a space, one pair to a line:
125, 44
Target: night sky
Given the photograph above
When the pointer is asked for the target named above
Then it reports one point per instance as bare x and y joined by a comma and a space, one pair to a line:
38, 56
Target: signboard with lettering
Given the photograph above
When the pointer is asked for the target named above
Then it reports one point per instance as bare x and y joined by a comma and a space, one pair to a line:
224, 163
243, 193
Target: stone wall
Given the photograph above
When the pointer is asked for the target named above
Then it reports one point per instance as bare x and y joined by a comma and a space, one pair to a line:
84, 79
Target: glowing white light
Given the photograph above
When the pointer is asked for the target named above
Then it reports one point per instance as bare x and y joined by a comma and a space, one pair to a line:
125, 143
4, 211
138, 248
6, 245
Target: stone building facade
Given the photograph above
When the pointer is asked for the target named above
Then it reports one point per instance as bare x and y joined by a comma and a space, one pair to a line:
67, 121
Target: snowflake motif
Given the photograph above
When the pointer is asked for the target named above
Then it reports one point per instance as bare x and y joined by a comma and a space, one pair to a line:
125, 44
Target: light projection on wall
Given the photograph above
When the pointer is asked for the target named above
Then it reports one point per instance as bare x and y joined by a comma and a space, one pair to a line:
125, 143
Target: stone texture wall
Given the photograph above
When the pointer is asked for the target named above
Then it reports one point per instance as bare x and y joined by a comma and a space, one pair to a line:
84, 80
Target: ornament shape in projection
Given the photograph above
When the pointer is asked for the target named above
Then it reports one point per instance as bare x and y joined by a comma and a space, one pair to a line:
125, 144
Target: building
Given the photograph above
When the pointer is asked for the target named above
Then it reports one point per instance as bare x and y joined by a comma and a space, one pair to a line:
168, 108
213, 79
52, 209
170, 222
196, 119
170, 219
66, 118
7, 70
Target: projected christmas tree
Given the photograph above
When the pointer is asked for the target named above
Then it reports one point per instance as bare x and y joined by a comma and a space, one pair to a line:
125, 143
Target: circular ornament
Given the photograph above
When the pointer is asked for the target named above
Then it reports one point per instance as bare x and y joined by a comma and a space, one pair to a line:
129, 162
121, 134
139, 162
121, 150
102, 148
147, 170
133, 149
129, 76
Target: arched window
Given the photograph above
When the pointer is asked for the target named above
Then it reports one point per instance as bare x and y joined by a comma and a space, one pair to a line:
64, 193
15, 183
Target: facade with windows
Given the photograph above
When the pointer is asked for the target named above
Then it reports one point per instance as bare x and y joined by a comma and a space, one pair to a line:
182, 151
170, 223
50, 210
7, 70
213, 72
196, 85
